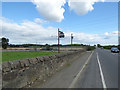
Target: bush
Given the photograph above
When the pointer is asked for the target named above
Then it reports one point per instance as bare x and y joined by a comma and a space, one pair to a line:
89, 48
4, 42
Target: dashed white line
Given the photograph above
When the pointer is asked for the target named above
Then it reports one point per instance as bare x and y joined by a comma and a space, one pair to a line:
78, 75
101, 73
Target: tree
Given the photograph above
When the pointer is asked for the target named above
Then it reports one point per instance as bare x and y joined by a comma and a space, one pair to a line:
98, 45
4, 42
47, 47
94, 45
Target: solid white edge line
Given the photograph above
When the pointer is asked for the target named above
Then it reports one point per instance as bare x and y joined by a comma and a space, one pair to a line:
78, 75
101, 73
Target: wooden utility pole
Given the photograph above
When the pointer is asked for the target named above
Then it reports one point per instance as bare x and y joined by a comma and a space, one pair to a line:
71, 40
58, 42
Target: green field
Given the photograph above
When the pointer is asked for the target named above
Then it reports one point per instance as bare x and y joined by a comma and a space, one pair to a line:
10, 56
0, 56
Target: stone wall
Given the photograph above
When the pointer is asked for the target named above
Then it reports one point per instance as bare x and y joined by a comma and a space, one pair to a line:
22, 73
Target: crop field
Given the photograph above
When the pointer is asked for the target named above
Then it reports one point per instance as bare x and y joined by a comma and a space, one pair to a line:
10, 56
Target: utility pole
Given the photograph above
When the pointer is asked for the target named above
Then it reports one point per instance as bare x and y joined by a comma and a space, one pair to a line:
71, 40
58, 42
60, 35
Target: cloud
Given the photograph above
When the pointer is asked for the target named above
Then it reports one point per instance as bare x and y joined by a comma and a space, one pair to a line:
51, 9
86, 38
38, 20
32, 32
80, 37
108, 35
115, 33
27, 32
112, 0
82, 7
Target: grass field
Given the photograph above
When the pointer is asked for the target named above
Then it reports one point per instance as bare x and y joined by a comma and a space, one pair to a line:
10, 56
0, 56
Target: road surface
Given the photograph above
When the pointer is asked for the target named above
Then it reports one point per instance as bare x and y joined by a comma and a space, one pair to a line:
94, 69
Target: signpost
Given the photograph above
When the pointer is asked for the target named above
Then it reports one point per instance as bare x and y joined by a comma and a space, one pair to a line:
60, 35
58, 42
71, 40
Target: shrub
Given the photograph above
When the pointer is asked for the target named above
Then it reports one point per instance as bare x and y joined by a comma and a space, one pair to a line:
89, 48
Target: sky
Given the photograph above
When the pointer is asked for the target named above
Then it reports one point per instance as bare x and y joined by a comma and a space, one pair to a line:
90, 22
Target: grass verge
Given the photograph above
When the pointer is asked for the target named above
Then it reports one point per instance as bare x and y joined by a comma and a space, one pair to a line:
10, 56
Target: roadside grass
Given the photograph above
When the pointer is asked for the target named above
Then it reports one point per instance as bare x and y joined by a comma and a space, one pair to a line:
11, 56
0, 56
68, 64
89, 48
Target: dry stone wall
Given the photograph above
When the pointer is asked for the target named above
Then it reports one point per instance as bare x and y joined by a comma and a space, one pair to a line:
22, 73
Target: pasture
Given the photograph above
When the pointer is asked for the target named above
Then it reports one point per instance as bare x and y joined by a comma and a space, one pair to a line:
10, 56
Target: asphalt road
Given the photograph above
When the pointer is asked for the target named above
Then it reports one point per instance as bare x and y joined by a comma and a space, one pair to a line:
91, 77
0, 76
94, 69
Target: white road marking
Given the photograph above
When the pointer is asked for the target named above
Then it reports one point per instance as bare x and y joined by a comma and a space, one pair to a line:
78, 75
101, 73
114, 53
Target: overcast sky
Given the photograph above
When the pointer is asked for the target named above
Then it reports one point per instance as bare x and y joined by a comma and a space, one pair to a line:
90, 21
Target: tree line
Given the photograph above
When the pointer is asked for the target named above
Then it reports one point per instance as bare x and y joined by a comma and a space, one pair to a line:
4, 42
108, 46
